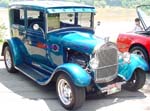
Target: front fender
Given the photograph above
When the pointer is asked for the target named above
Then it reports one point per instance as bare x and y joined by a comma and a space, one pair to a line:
126, 69
77, 74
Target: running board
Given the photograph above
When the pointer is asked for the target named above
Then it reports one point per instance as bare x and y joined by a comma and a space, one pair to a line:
35, 75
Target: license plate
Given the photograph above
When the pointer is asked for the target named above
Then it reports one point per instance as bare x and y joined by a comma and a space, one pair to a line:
113, 88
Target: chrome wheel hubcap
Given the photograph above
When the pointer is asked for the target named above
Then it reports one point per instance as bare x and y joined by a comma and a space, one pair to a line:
8, 59
64, 92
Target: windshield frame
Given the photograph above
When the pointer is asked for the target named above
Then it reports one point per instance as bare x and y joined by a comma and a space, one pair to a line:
91, 25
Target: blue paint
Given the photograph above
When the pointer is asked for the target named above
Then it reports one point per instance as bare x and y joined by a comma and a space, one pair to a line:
77, 74
79, 39
18, 50
71, 9
126, 69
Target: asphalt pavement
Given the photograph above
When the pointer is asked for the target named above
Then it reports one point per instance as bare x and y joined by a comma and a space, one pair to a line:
19, 93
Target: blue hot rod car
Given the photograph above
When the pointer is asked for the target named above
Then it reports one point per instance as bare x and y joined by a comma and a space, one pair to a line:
55, 41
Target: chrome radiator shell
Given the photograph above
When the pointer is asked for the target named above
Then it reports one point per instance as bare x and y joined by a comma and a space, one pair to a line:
107, 59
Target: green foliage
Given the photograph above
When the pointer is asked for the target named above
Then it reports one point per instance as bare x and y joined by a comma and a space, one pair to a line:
129, 3
113, 2
4, 3
121, 3
133, 3
2, 31
100, 3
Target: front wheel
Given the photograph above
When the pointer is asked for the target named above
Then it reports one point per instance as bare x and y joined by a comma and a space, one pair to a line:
137, 81
70, 96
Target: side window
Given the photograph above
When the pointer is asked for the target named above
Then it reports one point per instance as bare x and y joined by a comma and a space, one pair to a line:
18, 16
53, 21
35, 17
84, 19
22, 15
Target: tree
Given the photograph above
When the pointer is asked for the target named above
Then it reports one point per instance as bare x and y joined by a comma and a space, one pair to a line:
100, 3
113, 2
133, 3
4, 3
2, 31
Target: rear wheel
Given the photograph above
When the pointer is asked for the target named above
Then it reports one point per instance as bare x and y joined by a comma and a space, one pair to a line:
137, 81
70, 96
8, 60
139, 51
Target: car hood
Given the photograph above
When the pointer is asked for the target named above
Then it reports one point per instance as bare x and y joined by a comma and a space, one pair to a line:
82, 40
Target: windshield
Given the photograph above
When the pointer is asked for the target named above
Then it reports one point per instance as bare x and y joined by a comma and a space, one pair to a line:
144, 14
62, 20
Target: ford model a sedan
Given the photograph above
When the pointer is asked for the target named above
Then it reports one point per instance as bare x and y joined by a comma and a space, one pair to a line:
55, 41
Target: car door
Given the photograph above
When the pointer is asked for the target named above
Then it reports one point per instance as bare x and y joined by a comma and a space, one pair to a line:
35, 39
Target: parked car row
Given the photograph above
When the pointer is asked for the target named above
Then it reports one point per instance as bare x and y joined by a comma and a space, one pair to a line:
55, 41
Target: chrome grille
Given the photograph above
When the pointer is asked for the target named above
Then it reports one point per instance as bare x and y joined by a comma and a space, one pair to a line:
107, 58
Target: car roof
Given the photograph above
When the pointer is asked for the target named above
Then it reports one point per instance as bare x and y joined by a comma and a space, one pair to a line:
44, 5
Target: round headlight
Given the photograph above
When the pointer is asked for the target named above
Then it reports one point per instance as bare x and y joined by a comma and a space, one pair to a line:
126, 57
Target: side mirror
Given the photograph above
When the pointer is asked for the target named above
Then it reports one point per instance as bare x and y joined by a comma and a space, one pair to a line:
36, 26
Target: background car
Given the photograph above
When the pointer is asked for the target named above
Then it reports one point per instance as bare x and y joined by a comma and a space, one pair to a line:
55, 41
138, 42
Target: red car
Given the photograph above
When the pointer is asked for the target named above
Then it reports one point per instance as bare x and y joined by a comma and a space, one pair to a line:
138, 42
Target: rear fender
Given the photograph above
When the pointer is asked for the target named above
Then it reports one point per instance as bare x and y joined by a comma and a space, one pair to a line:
17, 49
126, 70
